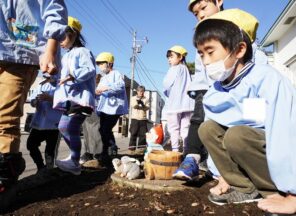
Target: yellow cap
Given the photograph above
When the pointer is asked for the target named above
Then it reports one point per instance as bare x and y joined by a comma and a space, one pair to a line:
105, 57
240, 18
179, 49
74, 23
190, 5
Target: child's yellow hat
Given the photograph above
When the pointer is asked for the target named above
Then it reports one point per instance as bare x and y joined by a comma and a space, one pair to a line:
74, 23
105, 57
240, 18
179, 49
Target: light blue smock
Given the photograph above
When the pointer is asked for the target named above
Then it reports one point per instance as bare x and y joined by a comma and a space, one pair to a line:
113, 101
263, 81
45, 117
175, 85
80, 64
201, 80
25, 26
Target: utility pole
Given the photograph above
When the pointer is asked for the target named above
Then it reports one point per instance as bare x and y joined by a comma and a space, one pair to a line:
137, 48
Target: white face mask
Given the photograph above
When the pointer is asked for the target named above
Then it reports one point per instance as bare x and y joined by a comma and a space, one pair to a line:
217, 70
104, 71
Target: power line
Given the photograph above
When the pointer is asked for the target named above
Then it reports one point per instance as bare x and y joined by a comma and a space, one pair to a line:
144, 69
106, 33
117, 16
100, 23
138, 75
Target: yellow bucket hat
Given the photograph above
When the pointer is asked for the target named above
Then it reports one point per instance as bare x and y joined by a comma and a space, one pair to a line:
105, 57
179, 49
74, 23
240, 18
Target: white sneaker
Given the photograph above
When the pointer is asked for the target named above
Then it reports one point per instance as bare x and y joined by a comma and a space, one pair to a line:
69, 166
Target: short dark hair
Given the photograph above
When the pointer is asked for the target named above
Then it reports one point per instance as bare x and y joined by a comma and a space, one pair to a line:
140, 87
214, 1
227, 33
79, 41
169, 53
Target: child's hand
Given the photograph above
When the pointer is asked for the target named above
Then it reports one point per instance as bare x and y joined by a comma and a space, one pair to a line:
101, 89
68, 78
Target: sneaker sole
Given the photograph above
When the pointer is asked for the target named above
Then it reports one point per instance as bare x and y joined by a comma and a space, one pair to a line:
241, 202
181, 176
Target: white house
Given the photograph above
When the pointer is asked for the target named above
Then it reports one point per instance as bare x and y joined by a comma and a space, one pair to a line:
156, 105
282, 39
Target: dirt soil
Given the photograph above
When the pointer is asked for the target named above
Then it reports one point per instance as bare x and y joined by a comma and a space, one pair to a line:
94, 193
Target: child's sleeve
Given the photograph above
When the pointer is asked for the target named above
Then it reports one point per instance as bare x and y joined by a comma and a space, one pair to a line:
117, 86
85, 68
32, 98
54, 14
169, 80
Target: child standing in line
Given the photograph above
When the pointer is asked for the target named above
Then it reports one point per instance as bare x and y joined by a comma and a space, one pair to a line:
75, 94
44, 124
112, 101
179, 105
251, 112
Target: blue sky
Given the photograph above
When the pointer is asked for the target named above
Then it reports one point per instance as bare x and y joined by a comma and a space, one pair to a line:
107, 26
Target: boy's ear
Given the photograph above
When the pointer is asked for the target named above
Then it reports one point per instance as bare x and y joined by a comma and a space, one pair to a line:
241, 50
219, 3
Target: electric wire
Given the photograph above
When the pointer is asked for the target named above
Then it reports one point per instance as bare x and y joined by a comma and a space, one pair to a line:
94, 24
118, 16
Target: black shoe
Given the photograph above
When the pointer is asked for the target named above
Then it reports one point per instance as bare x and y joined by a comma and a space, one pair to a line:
86, 157
103, 159
235, 197
12, 166
7, 198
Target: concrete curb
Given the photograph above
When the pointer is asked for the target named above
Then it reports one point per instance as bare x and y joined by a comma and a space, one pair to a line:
155, 185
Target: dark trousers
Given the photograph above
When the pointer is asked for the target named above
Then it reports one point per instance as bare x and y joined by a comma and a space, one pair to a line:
107, 123
195, 145
139, 129
92, 138
36, 137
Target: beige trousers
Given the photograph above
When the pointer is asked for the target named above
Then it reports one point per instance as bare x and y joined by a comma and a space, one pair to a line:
15, 82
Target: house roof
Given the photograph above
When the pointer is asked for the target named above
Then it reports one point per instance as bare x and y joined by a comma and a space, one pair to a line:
281, 25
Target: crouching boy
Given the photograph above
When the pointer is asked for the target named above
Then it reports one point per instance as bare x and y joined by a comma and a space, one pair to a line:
250, 112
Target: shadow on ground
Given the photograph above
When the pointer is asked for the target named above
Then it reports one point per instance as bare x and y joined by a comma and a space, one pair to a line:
55, 184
